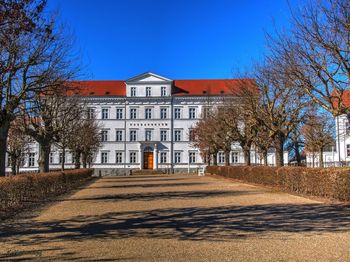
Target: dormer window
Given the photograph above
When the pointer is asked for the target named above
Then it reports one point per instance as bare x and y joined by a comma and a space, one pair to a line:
133, 91
163, 91
148, 91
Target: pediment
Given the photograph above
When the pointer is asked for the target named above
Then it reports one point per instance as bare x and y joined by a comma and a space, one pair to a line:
148, 77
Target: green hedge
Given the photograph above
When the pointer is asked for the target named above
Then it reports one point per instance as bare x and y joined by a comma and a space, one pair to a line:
16, 191
331, 183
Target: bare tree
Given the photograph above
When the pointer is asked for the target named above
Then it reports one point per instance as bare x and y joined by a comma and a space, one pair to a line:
32, 58
318, 50
17, 146
85, 141
318, 133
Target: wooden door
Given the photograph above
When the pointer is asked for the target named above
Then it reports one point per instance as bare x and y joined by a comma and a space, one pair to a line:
148, 160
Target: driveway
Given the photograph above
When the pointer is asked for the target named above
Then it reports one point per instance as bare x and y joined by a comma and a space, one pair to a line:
179, 218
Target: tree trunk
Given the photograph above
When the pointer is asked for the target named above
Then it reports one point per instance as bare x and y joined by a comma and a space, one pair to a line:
63, 158
265, 157
279, 151
13, 166
4, 130
227, 158
84, 160
321, 158
297, 154
44, 157
215, 159
77, 160
247, 159
207, 159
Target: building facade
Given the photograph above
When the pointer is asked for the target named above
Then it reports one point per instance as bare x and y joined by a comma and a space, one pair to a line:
146, 123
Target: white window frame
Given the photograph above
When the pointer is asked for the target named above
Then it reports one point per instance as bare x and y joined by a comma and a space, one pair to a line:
163, 157
91, 113
163, 135
148, 91
235, 157
104, 157
118, 157
163, 113
221, 158
177, 157
148, 134
119, 113
133, 91
163, 91
105, 113
133, 157
133, 135
133, 113
119, 135
177, 113
31, 159
192, 112
192, 157
148, 113
177, 135
104, 135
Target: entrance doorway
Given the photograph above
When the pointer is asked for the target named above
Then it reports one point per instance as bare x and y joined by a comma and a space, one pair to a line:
148, 158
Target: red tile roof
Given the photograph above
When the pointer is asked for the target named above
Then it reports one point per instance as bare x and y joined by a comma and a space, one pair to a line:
211, 87
98, 88
180, 87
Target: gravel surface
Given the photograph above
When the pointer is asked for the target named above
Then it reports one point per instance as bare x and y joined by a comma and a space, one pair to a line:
179, 218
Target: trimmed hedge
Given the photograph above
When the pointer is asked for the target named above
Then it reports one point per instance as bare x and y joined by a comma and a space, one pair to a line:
16, 191
331, 183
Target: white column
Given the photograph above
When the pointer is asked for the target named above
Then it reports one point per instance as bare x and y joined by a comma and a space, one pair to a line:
140, 156
155, 157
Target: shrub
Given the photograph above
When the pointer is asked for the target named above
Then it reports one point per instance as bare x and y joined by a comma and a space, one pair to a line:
18, 190
324, 182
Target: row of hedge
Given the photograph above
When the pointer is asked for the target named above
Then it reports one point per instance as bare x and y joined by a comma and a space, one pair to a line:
17, 191
331, 183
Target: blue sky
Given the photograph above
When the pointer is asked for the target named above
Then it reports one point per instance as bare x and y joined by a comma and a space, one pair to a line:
179, 39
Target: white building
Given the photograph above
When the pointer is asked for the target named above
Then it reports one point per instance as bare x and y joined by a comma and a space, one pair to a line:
146, 123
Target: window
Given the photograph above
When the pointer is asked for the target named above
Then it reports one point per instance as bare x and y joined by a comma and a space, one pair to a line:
177, 113
132, 135
191, 135
60, 158
206, 112
119, 113
163, 113
119, 135
133, 113
119, 157
177, 157
132, 157
148, 91
133, 91
148, 135
163, 91
148, 113
8, 160
177, 136
104, 135
234, 157
104, 113
51, 158
192, 113
348, 150
104, 157
91, 113
163, 135
163, 156
221, 157
192, 157
31, 159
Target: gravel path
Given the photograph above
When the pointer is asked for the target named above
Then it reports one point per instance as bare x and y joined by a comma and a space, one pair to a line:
179, 218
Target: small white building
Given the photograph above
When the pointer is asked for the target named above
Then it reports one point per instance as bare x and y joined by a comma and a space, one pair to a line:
147, 121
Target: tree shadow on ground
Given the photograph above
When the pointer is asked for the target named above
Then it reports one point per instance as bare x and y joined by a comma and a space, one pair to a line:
156, 196
148, 185
202, 223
